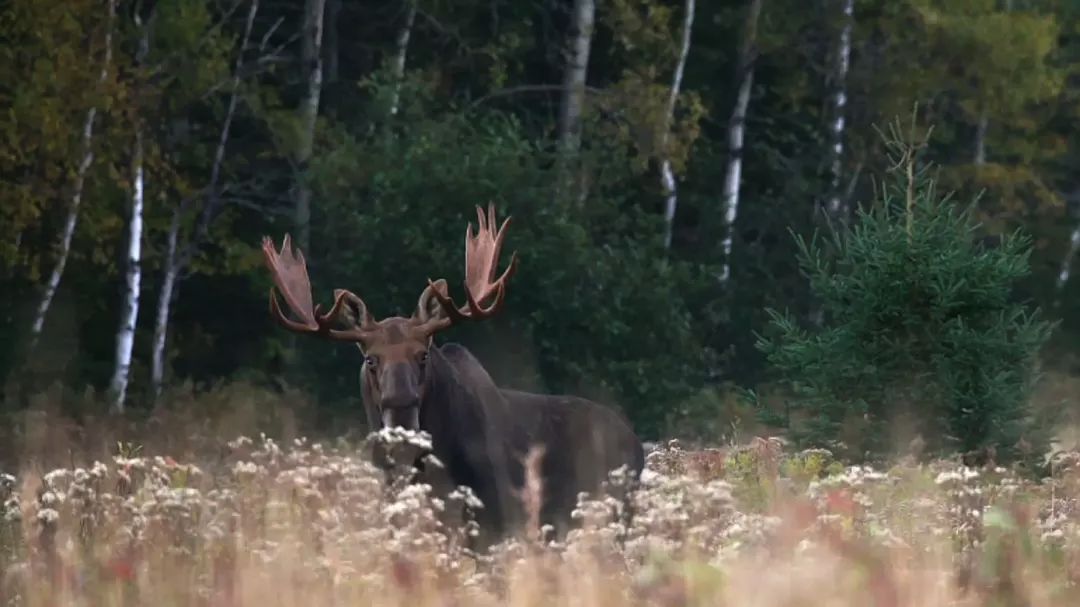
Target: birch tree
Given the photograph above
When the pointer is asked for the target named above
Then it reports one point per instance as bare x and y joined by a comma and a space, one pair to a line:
1072, 248
736, 135
311, 58
575, 75
401, 50
86, 158
1066, 262
667, 174
177, 258
983, 124
129, 314
836, 205
129, 311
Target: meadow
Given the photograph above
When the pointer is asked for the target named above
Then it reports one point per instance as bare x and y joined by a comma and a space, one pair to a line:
186, 514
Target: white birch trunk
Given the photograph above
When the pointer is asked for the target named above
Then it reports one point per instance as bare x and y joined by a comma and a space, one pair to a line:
736, 137
86, 155
572, 104
836, 205
979, 157
176, 260
311, 56
129, 312
1066, 263
129, 315
164, 304
667, 174
575, 75
401, 50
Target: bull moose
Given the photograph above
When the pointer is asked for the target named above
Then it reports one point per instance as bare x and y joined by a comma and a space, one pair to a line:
479, 431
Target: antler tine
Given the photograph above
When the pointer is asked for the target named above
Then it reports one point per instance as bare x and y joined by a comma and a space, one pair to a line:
358, 333
289, 273
288, 270
481, 263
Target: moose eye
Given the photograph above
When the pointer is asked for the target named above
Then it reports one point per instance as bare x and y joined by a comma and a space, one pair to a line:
371, 361
423, 359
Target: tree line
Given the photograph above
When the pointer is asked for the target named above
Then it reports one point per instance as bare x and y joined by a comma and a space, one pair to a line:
658, 157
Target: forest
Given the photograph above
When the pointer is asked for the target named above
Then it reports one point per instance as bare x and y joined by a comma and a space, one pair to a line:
666, 164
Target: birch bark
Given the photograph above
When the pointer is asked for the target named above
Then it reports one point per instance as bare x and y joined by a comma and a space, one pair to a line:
401, 50
737, 135
311, 56
129, 315
572, 106
667, 174
129, 311
979, 156
837, 205
1066, 263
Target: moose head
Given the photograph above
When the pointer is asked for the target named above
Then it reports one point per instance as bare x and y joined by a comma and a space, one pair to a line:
396, 349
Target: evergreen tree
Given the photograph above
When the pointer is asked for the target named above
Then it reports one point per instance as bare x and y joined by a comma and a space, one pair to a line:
922, 336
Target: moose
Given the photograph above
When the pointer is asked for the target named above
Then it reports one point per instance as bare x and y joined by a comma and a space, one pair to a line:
479, 431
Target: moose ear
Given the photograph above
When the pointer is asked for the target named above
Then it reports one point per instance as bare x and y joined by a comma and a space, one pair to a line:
353, 312
428, 307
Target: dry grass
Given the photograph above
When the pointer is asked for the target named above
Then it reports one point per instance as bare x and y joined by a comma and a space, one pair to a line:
263, 523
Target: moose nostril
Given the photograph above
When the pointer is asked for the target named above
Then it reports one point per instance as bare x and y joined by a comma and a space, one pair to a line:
403, 401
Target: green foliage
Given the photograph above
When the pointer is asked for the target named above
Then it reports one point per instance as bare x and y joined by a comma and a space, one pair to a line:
49, 64
809, 465
634, 109
752, 485
592, 309
1002, 57
921, 337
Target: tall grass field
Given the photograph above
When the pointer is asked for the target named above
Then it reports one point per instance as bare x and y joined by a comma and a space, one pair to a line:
209, 519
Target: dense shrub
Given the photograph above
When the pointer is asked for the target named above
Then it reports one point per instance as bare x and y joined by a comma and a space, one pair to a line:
595, 308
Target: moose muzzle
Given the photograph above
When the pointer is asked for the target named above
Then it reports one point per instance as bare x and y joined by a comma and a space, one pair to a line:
400, 402
407, 417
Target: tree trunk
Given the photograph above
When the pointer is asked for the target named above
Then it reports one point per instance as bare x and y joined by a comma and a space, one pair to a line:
837, 205
1072, 203
736, 136
401, 49
169, 273
129, 313
86, 155
311, 56
176, 260
125, 336
1067, 261
572, 106
979, 157
667, 174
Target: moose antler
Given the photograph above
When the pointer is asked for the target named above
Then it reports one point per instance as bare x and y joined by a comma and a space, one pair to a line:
289, 272
481, 261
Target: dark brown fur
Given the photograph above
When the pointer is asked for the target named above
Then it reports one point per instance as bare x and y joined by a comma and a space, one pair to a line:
583, 441
482, 433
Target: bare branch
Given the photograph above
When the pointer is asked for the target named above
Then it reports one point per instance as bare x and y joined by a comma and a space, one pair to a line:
530, 88
211, 204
